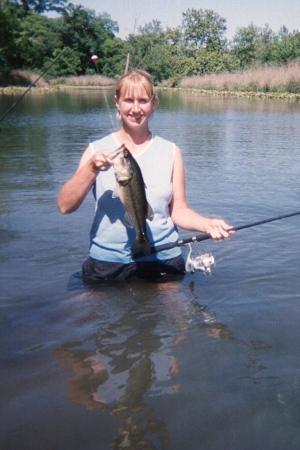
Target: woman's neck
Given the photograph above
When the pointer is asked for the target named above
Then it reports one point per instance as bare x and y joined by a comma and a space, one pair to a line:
135, 142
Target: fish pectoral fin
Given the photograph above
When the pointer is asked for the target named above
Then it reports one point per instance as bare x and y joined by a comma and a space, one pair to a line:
150, 213
127, 221
115, 193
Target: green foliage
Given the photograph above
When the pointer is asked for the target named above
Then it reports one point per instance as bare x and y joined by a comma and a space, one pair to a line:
31, 41
245, 44
253, 45
36, 40
204, 29
167, 57
86, 33
63, 63
40, 6
114, 53
285, 48
215, 62
10, 26
149, 51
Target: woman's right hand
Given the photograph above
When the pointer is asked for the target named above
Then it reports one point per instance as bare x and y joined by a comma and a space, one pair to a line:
100, 161
75, 190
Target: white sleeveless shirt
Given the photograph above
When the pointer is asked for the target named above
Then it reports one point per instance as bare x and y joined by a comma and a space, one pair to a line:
111, 240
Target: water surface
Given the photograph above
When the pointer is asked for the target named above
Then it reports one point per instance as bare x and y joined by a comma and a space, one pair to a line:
208, 362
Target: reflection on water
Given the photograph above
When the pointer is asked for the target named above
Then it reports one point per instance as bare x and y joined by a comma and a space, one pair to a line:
135, 357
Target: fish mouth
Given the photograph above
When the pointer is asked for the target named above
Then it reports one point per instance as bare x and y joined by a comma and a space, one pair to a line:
117, 152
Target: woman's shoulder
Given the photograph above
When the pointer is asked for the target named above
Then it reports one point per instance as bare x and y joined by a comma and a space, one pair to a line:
162, 141
162, 144
106, 143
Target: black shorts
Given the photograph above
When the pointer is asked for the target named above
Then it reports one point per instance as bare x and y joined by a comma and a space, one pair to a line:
98, 271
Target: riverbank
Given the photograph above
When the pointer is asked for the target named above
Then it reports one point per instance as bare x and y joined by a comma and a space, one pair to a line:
258, 81
250, 94
10, 90
49, 88
281, 82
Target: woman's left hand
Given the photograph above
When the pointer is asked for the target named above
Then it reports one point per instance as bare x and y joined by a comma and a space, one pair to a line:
219, 229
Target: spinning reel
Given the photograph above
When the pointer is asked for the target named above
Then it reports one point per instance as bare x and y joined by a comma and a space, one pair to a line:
202, 263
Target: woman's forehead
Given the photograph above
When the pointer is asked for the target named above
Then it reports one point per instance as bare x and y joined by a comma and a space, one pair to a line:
135, 89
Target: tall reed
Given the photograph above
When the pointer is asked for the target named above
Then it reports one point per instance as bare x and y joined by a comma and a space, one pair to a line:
84, 80
285, 78
25, 77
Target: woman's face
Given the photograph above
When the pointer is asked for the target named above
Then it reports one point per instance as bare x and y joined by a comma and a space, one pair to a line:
135, 106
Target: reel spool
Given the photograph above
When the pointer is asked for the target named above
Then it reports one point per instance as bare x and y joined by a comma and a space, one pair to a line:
202, 263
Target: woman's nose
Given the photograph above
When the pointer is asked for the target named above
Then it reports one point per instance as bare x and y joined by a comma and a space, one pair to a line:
136, 106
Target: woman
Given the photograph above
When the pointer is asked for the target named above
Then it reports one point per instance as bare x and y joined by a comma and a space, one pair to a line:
163, 172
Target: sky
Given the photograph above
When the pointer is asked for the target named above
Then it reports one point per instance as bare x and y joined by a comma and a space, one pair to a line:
131, 14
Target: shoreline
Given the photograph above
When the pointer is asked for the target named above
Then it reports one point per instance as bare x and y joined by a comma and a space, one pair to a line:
244, 94
248, 94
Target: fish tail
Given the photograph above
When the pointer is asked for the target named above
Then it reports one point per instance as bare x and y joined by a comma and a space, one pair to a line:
141, 246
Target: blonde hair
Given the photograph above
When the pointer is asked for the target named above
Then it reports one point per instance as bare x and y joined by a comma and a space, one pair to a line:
135, 76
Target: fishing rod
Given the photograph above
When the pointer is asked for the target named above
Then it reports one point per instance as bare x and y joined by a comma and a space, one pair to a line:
205, 236
30, 86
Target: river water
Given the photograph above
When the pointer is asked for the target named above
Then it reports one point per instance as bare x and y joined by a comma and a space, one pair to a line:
208, 362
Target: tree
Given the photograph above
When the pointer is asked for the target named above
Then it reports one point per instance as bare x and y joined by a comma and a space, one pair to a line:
25, 40
105, 22
245, 44
153, 28
9, 28
86, 33
264, 41
67, 64
285, 47
114, 52
204, 29
37, 39
40, 6
29, 40
213, 62
143, 46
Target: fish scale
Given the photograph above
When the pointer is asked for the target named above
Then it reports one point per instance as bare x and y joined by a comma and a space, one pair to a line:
131, 191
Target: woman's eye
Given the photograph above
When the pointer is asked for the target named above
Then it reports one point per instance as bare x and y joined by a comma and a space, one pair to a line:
142, 101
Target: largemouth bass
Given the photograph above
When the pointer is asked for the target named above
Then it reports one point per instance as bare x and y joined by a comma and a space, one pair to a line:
131, 191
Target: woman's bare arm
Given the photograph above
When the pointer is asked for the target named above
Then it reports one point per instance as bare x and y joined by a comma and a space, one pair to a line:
185, 217
76, 189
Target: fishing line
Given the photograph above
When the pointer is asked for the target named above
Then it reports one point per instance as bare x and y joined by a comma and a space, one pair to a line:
30, 86
114, 127
95, 60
